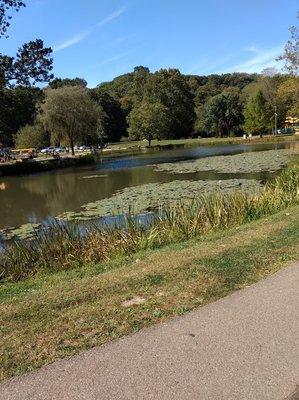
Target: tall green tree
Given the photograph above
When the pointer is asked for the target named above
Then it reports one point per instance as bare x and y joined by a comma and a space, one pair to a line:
113, 119
149, 121
17, 109
70, 115
170, 89
257, 114
33, 62
223, 114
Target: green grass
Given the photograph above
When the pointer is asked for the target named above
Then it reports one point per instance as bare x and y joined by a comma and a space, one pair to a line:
52, 316
209, 141
66, 293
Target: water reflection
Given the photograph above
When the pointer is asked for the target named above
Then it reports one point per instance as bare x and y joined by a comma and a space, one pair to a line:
35, 198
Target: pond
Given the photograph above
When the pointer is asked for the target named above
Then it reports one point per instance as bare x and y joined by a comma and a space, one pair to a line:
36, 198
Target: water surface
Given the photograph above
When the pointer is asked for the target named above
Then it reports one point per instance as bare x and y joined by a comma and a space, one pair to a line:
34, 198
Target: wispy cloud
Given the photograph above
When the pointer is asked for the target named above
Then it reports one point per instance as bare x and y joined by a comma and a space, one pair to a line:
111, 17
71, 41
82, 35
259, 60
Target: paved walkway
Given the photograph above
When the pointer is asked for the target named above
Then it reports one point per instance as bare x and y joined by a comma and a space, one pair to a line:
242, 347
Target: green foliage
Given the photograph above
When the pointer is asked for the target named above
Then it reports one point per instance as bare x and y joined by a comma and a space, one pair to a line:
32, 136
149, 121
257, 114
70, 115
17, 109
58, 82
223, 113
112, 124
288, 95
5, 7
32, 64
32, 166
170, 89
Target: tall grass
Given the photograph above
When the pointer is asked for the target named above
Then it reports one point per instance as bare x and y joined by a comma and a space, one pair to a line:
62, 247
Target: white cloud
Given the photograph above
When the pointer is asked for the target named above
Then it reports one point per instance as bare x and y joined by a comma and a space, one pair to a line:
260, 60
82, 35
111, 17
71, 41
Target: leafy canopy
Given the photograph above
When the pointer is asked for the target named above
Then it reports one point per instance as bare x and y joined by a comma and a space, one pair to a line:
5, 17
70, 115
32, 136
149, 121
223, 113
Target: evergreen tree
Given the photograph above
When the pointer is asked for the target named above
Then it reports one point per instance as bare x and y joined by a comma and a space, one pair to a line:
257, 114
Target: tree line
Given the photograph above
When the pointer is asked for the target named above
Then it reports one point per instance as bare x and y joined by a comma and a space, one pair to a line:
144, 105
138, 105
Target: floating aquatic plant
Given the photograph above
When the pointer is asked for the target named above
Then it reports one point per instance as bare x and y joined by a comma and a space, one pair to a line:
153, 195
270, 160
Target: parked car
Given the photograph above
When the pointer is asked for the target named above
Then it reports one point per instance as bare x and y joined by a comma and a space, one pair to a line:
47, 150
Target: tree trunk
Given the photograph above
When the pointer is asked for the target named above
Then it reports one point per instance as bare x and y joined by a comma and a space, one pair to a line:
72, 147
149, 142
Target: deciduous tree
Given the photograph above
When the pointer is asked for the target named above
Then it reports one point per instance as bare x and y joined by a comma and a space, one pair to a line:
223, 114
69, 114
149, 121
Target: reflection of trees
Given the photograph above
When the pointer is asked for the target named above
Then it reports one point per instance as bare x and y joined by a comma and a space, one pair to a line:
53, 193
16, 205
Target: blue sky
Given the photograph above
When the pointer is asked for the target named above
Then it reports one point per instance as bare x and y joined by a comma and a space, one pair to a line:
100, 39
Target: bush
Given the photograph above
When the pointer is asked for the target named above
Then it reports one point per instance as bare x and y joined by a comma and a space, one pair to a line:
31, 136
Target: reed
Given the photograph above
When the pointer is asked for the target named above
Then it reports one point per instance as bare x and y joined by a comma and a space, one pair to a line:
63, 247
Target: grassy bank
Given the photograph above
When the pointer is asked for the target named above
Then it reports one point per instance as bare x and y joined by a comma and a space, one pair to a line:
65, 293
35, 166
40, 165
51, 316
185, 143
63, 248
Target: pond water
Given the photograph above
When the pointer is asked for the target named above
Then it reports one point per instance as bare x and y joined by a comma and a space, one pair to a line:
35, 198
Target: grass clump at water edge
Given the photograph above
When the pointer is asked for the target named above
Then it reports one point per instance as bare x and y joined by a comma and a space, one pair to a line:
63, 248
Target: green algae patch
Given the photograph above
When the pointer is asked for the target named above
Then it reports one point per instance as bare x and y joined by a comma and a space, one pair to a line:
151, 196
270, 160
25, 231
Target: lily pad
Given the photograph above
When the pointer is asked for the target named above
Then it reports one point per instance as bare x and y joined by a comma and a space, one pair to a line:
151, 196
271, 160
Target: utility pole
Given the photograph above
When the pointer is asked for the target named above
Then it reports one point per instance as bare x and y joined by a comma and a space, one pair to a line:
275, 119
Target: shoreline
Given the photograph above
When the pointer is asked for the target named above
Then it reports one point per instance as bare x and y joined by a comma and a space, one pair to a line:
117, 149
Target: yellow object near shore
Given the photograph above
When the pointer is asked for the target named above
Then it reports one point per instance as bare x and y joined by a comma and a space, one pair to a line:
292, 120
24, 151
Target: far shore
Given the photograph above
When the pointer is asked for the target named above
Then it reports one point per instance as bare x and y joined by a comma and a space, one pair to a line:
46, 163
